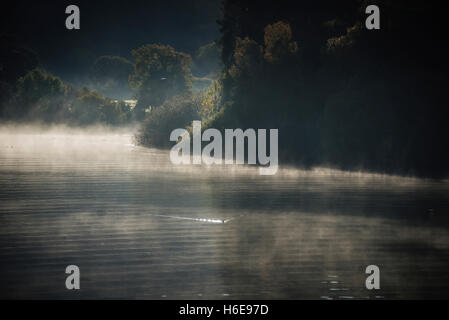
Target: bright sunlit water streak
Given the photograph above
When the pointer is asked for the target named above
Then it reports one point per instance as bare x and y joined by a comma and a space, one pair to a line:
139, 227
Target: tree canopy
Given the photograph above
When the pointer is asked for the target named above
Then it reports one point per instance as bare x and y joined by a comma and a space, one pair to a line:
160, 72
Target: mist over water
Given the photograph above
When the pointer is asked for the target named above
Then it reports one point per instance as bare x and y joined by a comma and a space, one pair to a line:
140, 227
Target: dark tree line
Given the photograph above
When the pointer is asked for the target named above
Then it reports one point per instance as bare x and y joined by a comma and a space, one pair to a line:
29, 93
159, 73
341, 95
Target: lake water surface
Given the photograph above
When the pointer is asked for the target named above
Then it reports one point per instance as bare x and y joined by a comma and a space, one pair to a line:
139, 227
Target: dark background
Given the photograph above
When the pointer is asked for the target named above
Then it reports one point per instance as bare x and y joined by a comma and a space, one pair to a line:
107, 28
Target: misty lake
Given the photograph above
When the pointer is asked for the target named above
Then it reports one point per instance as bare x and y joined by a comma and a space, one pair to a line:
139, 227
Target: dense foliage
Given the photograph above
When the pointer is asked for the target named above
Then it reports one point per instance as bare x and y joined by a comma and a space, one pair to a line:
40, 96
176, 112
160, 73
340, 95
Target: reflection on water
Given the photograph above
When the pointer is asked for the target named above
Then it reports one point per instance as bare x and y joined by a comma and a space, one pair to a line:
139, 227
